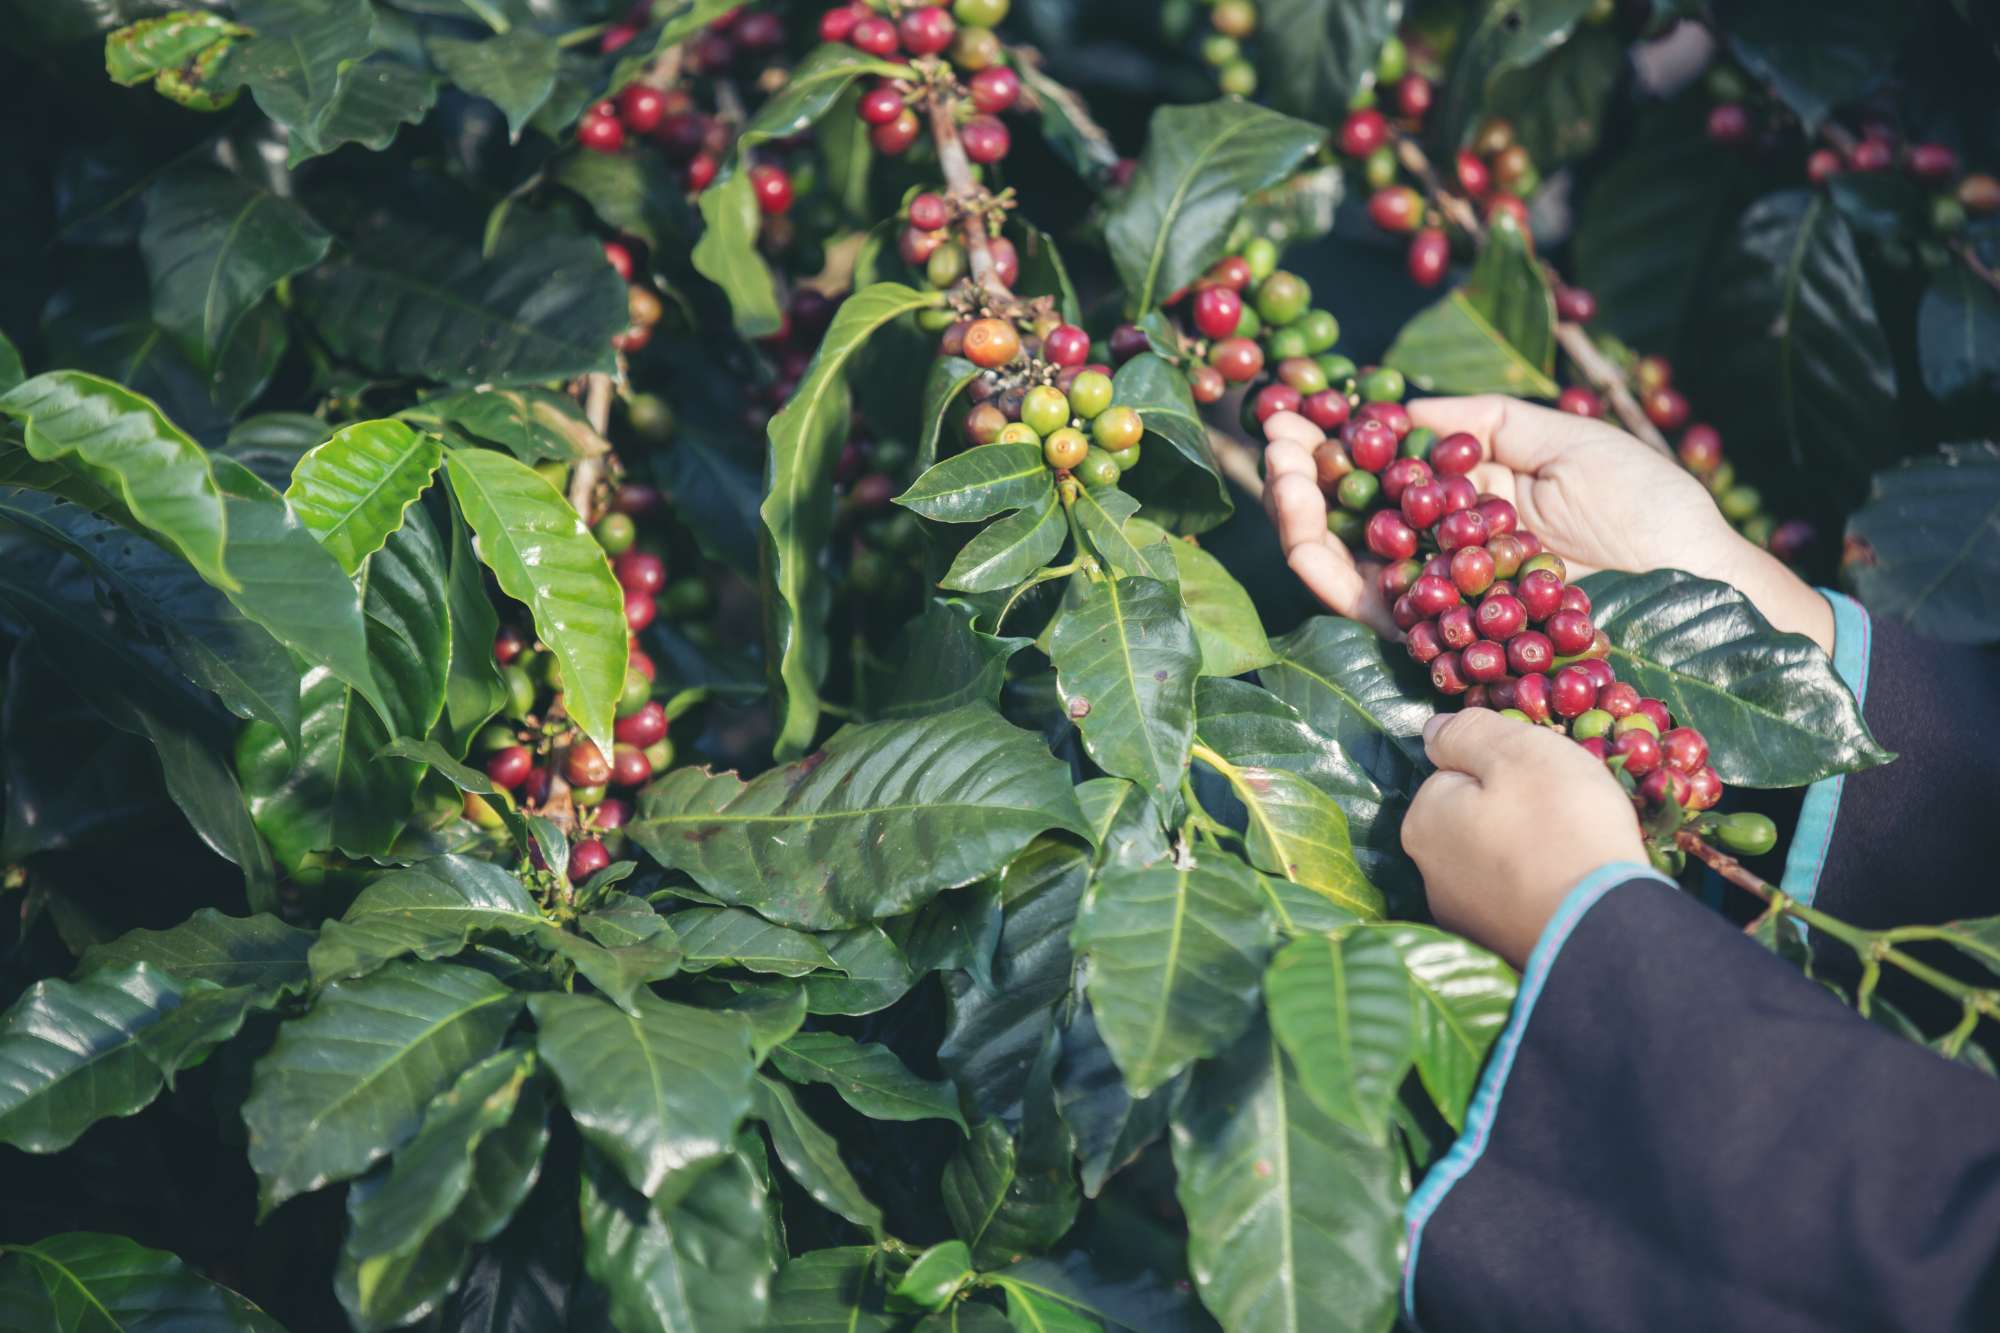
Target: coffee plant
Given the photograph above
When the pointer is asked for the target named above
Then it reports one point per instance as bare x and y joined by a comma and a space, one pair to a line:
640, 692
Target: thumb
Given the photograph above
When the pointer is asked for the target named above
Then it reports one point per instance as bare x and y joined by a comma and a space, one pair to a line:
1475, 741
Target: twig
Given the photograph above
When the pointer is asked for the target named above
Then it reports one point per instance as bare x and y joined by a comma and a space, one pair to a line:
597, 410
968, 194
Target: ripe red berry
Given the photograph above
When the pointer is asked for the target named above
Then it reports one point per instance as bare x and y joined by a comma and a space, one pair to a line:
896, 135
1504, 691
1570, 632
837, 23
1701, 448
1447, 676
640, 571
1790, 540
1667, 408
1704, 789
878, 106
1423, 643
1685, 748
759, 30
773, 188
1660, 785
1575, 304
1502, 617
508, 644
1456, 628
1326, 409
926, 31
1400, 475
586, 858
1822, 165
1618, 699
1529, 654
1456, 454
600, 134
1400, 610
1572, 691
509, 767
1500, 515
629, 767
1422, 505
927, 211
1397, 208
1473, 174
1933, 163
1393, 415
1208, 386
1580, 401
1459, 493
1483, 661
1217, 311
1541, 592
1871, 155
1654, 709
620, 259
995, 89
985, 139
1370, 444
1641, 750
1274, 398
640, 609
1231, 271
1507, 206
1467, 527
873, 34
1600, 673
1239, 359
701, 170
646, 727
1533, 694
1728, 124
1472, 572
1363, 132
586, 765
1389, 536
1128, 340
642, 107
1066, 345
1433, 594
1396, 579
1413, 96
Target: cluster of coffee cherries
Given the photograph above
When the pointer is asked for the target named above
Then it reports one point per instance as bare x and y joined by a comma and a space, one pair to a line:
1495, 173
1956, 194
642, 304
1492, 614
962, 34
935, 257
1231, 24
1699, 449
1042, 388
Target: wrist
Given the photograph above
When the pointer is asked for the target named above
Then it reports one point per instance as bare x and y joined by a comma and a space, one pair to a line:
1790, 603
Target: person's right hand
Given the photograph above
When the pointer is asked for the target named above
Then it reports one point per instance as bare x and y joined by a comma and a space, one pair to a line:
1596, 496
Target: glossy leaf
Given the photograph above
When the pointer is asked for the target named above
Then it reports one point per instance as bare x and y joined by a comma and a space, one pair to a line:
1924, 565
1125, 822
430, 910
88, 1280
659, 1092
798, 509
1100, 517
1559, 104
214, 245
1359, 691
473, 688
727, 254
126, 445
810, 91
1198, 165
1463, 997
1126, 659
979, 483
886, 817
347, 1083
405, 300
543, 555
1110, 1125
1506, 35
1067, 125
868, 1077
1008, 551
948, 377
830, 1291
1321, 52
1181, 485
1176, 955
702, 1266
1294, 1221
731, 936
516, 71
623, 945
1847, 47
1808, 368
962, 664
1343, 1010
1773, 709
293, 65
1494, 334
372, 101
812, 1156
535, 425
1958, 326
72, 1053
873, 973
1226, 624
351, 492
260, 952
1001, 1208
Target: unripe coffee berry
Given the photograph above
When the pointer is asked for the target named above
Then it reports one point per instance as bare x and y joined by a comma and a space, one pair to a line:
1447, 676
1572, 691
1507, 553
1483, 661
1389, 536
1045, 408
1471, 570
1282, 298
1118, 428
1591, 722
1424, 643
1065, 448
1208, 386
1455, 627
1685, 748
1397, 578
1632, 722
1433, 595
991, 343
1640, 749
1550, 561
1357, 491
1529, 654
1331, 463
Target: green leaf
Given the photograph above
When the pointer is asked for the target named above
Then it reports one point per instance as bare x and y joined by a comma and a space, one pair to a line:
1067, 125
1118, 1293
214, 245
810, 91
1004, 553
407, 300
1508, 35
125, 444
873, 973
516, 71
473, 689
869, 1078
798, 509
535, 425
727, 254
260, 952
812, 1156
686, 19
293, 66
1176, 954
1032, 1310
1342, 1007
1360, 692
1110, 1125
1180, 486
340, 790
830, 1291
86, 1280
1463, 998
1558, 105
1226, 625
629, 946
1808, 366
351, 491
962, 665
372, 101
731, 936
1958, 328
348, 1083
11, 371
979, 483
1495, 334
886, 817
948, 377
1294, 1221
1319, 53
1199, 164
431, 910
935, 1276
1850, 46
1126, 660
1775, 712
543, 555
1100, 517
660, 1091
73, 1053
701, 1266
1002, 1208
1928, 562
639, 194
1125, 822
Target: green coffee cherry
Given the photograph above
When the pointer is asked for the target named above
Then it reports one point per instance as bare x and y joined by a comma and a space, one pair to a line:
1380, 168
1384, 384
1090, 393
1219, 49
1345, 524
1098, 469
660, 754
1282, 298
1339, 369
1392, 61
1017, 432
638, 692
495, 736
1247, 324
587, 796
651, 419
1321, 331
520, 691
1126, 458
1357, 490
1635, 722
687, 599
1739, 502
615, 533
1046, 408
1417, 444
1591, 724
1238, 78
1747, 833
1286, 344
1261, 254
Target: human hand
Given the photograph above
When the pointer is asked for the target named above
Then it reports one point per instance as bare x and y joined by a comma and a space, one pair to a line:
1595, 496
1515, 815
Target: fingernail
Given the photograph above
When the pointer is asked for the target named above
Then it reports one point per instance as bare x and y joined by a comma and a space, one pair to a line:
1434, 726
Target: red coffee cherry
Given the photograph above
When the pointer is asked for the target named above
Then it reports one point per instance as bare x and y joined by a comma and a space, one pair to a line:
1472, 574
640, 571
1326, 409
1400, 475
1455, 627
773, 188
1533, 694
995, 89
629, 766
1413, 96
586, 858
1660, 785
880, 105
1572, 691
1456, 454
1217, 311
1933, 163
642, 108
1422, 505
510, 767
1208, 386
1388, 536
1402, 613
508, 644
1700, 448
873, 34
646, 727
1529, 654
1574, 599
1397, 208
1370, 444
1541, 592
1641, 750
1447, 676
1575, 305
586, 765
1500, 515
1363, 132
1822, 165
1654, 709
1433, 594
1501, 617
1274, 398
600, 134
1570, 632
985, 139
1483, 661
1618, 699
1459, 493
1467, 527
1580, 401
1239, 359
1393, 415
1473, 174
1685, 749
926, 31
1728, 124
640, 608
1704, 789
892, 138
1423, 643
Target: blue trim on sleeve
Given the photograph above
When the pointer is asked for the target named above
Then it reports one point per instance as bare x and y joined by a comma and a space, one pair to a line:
1806, 858
1465, 1153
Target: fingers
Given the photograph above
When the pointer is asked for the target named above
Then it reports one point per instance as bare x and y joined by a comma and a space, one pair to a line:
1328, 571
1517, 435
1293, 427
1439, 805
1476, 741
1292, 496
